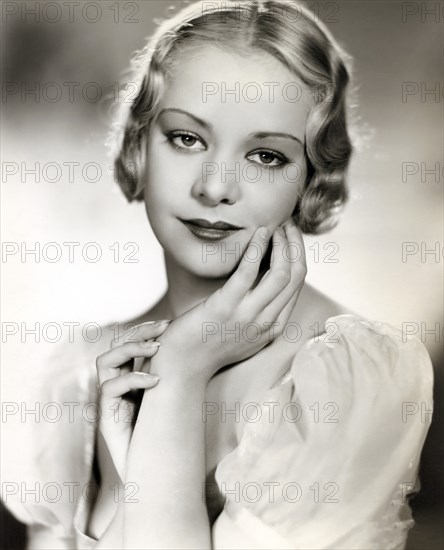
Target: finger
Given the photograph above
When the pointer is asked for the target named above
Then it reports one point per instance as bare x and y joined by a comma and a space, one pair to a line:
298, 267
126, 367
108, 364
278, 277
282, 306
145, 331
245, 275
116, 387
139, 333
297, 248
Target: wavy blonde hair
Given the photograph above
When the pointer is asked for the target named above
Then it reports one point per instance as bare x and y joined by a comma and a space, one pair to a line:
290, 33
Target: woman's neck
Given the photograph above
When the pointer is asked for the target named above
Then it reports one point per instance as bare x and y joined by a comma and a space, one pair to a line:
186, 290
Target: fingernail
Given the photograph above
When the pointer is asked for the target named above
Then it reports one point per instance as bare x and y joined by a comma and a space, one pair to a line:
263, 232
150, 377
149, 344
163, 322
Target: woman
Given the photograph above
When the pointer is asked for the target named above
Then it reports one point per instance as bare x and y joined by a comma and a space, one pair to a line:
272, 418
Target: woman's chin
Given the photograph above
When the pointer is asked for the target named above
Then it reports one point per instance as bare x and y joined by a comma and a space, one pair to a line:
207, 268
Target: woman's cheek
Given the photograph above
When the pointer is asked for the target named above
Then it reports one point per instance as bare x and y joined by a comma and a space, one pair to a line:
160, 185
290, 186
172, 174
274, 203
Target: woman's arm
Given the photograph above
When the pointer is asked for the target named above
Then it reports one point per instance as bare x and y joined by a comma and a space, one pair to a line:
116, 377
166, 456
166, 460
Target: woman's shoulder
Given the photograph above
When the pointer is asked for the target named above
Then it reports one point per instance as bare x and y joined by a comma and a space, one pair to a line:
314, 308
333, 346
351, 348
342, 345
336, 441
341, 331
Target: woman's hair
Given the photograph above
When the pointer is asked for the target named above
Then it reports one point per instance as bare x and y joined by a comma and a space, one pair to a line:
291, 34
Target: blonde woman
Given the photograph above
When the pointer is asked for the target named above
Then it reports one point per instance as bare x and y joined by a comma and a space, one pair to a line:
264, 415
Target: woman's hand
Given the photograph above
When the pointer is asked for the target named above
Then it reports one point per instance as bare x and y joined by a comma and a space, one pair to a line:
237, 321
116, 378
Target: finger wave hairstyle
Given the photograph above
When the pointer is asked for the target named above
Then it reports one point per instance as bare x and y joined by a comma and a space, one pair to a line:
287, 31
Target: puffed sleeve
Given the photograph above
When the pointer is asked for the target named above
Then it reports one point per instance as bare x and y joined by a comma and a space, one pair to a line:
48, 440
333, 454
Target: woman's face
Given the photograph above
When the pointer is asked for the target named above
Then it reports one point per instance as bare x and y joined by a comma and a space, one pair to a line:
227, 145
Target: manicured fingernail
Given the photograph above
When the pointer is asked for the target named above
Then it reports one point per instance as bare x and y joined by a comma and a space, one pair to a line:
149, 344
263, 232
150, 377
163, 322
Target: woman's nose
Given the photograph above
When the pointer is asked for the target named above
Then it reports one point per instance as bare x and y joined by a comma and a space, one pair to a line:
218, 182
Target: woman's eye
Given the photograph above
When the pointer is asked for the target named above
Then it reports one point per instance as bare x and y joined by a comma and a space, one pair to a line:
270, 159
185, 141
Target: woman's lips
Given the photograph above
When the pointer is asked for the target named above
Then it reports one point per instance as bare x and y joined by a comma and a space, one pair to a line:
208, 233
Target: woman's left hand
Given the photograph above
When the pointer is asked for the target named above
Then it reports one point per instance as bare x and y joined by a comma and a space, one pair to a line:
212, 334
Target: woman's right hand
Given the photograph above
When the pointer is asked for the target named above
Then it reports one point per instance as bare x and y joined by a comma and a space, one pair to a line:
116, 378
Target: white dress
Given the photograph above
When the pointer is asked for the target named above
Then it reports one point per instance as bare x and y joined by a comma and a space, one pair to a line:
330, 471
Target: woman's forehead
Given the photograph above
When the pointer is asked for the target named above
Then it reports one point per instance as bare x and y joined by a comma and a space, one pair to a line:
226, 67
219, 84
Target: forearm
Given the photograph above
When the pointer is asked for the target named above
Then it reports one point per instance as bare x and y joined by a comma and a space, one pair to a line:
166, 460
104, 509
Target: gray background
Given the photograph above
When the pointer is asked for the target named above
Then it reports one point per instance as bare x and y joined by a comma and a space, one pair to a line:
391, 42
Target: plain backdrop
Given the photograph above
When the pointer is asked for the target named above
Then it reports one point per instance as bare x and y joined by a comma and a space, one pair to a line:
397, 48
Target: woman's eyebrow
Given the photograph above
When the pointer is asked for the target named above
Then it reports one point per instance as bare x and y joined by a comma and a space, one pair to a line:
206, 125
261, 135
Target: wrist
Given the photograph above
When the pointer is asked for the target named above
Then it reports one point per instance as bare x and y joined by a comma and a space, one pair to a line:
174, 369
